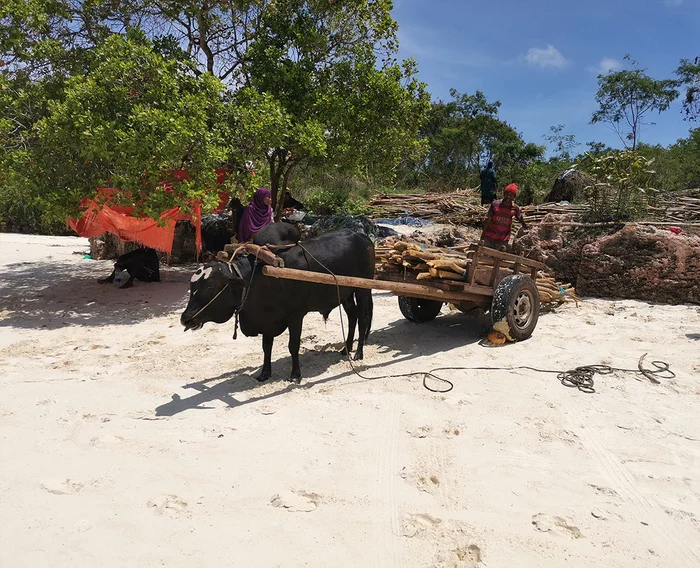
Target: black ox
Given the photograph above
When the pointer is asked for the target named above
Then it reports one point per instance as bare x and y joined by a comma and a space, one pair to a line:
141, 264
269, 306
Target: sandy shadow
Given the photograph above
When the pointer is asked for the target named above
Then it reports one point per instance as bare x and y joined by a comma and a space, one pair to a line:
53, 295
403, 339
693, 336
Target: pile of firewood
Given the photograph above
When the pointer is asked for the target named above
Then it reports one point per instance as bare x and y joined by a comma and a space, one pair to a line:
459, 207
423, 262
553, 292
535, 214
414, 262
680, 210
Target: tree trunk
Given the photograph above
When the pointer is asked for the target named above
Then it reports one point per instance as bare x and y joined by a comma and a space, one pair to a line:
203, 28
277, 161
287, 176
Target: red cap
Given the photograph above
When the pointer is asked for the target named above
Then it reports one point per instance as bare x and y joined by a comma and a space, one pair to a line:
512, 188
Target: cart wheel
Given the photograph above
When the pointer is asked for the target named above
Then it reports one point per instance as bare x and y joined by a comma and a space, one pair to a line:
417, 310
516, 304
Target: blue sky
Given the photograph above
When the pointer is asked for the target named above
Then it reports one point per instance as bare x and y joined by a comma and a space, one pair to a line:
541, 58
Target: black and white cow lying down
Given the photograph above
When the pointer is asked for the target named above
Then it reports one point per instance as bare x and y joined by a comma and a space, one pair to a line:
140, 264
268, 306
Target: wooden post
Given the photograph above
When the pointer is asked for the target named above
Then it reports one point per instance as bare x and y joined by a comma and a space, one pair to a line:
494, 272
472, 267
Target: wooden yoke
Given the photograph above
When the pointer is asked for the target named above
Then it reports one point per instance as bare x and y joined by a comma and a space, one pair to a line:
264, 254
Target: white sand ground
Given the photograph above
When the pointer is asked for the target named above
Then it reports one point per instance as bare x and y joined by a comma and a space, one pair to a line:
125, 442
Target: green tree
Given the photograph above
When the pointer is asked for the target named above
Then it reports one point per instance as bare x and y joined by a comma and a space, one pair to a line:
562, 143
466, 132
133, 117
597, 148
318, 59
622, 185
307, 81
689, 74
684, 157
625, 97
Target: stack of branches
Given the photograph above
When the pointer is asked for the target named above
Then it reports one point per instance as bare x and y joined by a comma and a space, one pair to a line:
459, 207
684, 209
411, 261
535, 214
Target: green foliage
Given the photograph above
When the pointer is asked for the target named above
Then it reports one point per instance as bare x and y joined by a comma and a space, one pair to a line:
132, 118
535, 179
330, 201
563, 143
597, 148
625, 97
319, 61
678, 166
689, 74
94, 101
623, 183
464, 133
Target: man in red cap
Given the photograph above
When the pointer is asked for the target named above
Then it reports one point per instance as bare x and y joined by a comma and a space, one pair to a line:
496, 232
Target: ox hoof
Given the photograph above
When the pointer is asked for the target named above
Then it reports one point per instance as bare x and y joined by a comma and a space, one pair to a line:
295, 377
358, 356
263, 376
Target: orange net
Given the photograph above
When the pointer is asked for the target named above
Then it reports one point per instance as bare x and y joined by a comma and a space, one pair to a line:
104, 216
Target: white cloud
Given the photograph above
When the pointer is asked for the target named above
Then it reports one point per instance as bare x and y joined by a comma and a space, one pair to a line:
606, 65
547, 57
426, 46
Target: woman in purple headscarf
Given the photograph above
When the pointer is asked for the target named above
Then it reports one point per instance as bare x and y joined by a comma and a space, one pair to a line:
256, 216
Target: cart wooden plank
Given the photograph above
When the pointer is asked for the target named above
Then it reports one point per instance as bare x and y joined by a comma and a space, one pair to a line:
508, 257
447, 285
400, 288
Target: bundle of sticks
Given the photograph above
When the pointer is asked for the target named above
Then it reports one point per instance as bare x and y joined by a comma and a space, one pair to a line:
535, 214
422, 262
552, 292
681, 210
402, 258
458, 207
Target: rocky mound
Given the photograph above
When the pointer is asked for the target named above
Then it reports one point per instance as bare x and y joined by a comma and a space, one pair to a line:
642, 263
619, 261
569, 186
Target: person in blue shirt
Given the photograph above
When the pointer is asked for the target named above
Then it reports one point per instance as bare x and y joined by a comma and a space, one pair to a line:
488, 184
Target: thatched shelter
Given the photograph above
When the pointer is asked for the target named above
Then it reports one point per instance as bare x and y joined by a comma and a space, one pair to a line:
569, 186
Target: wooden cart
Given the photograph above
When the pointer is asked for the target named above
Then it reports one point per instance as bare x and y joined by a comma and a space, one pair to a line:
495, 281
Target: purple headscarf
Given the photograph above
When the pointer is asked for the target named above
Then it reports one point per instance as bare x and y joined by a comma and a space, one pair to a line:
256, 216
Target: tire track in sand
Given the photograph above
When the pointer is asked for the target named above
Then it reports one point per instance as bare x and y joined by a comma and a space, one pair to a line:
623, 482
387, 524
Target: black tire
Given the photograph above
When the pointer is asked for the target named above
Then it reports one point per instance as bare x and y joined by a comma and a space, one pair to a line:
418, 310
517, 303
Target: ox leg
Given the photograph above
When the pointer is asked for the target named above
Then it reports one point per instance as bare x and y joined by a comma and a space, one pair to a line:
267, 341
294, 342
350, 309
109, 278
129, 283
364, 310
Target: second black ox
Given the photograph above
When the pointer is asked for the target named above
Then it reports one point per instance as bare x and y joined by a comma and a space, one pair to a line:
268, 306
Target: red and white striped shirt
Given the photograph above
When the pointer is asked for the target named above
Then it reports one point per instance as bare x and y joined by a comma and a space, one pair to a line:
501, 220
